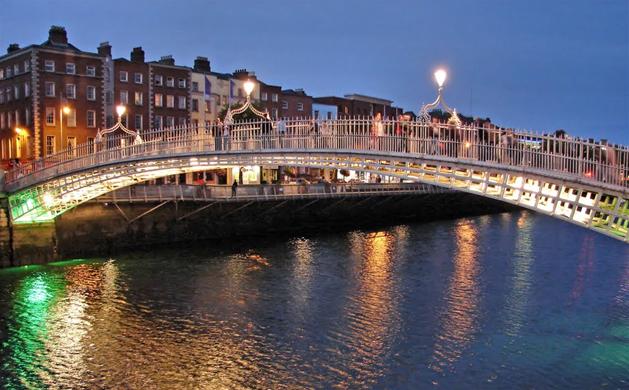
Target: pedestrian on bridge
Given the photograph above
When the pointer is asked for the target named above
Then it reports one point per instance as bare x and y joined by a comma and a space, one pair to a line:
234, 188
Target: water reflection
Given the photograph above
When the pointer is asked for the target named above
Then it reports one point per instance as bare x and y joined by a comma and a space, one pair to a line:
585, 267
523, 259
372, 311
460, 318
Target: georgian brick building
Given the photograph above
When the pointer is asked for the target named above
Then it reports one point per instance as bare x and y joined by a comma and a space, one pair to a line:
131, 89
295, 103
36, 82
169, 91
361, 105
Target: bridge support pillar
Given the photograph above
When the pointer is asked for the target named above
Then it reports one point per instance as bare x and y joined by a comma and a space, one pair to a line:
34, 243
6, 247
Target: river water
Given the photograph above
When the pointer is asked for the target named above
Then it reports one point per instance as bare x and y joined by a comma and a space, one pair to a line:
514, 300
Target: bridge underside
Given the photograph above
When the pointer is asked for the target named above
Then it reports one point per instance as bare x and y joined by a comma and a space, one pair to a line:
605, 211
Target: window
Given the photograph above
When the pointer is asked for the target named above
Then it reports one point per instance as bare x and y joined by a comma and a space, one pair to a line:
159, 80
182, 121
90, 70
71, 91
1, 75
159, 100
50, 89
9, 72
49, 66
159, 121
195, 105
16, 69
9, 120
2, 120
264, 96
27, 65
27, 116
50, 116
27, 89
181, 102
91, 92
16, 92
195, 86
124, 76
17, 118
9, 93
71, 118
137, 78
1, 96
70, 68
170, 121
284, 105
182, 83
50, 145
139, 98
138, 122
91, 118
170, 81
170, 101
124, 97
274, 97
300, 106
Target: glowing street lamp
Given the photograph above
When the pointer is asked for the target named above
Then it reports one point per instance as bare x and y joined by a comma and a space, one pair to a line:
249, 88
424, 113
440, 77
120, 110
64, 110
21, 132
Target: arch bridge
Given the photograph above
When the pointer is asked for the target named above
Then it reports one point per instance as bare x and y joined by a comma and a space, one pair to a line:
575, 180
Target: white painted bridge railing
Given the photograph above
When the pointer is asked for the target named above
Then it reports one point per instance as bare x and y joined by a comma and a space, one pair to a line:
206, 193
596, 163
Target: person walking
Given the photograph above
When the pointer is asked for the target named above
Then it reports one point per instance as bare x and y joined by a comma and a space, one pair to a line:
234, 188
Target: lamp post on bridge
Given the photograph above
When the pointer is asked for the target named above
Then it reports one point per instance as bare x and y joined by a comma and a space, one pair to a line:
424, 113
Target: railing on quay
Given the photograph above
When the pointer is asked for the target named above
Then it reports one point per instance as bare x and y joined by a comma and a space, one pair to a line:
201, 193
595, 162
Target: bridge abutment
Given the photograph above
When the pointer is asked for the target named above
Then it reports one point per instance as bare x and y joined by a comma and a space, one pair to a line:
6, 248
34, 243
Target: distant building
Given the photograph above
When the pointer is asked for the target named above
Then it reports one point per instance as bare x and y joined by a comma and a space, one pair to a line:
170, 93
35, 83
360, 105
324, 111
270, 99
295, 103
131, 86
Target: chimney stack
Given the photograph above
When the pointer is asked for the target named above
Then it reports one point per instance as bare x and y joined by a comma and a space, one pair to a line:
13, 47
137, 55
167, 60
57, 35
104, 49
202, 64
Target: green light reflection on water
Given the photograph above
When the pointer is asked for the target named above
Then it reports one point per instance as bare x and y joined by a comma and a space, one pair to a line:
24, 351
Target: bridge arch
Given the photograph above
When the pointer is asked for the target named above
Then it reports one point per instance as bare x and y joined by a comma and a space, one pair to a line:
463, 162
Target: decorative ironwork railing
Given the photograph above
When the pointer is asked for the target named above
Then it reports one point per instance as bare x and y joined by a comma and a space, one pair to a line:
587, 161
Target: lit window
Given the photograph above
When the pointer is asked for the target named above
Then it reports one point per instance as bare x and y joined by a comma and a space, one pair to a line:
50, 145
139, 99
70, 68
50, 116
159, 100
170, 101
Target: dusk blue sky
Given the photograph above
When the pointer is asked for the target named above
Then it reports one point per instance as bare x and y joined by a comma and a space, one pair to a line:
538, 64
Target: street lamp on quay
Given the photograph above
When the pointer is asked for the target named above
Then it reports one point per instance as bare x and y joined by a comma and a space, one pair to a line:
249, 87
424, 113
63, 110
120, 110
